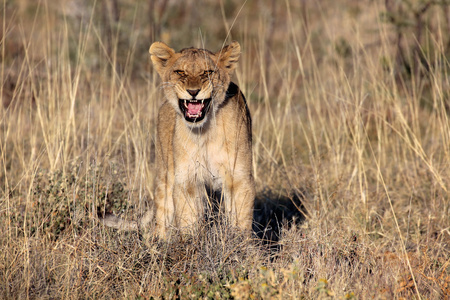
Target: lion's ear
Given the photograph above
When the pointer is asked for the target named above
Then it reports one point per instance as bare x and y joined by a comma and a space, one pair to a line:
229, 56
160, 54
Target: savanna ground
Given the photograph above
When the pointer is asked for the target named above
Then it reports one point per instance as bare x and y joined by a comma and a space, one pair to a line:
350, 103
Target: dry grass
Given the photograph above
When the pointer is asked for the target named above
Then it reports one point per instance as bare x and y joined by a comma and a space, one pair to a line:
344, 129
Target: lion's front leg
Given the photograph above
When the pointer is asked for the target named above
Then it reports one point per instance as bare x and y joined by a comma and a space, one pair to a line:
164, 208
239, 200
164, 184
188, 205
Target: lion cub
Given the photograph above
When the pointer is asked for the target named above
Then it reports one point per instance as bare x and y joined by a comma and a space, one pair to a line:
204, 138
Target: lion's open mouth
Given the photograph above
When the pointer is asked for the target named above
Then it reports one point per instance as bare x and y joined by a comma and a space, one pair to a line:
194, 110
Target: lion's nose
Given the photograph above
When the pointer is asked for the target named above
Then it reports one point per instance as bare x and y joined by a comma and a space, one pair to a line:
193, 93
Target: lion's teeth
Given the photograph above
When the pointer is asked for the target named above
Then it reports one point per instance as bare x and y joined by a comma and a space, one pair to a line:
185, 104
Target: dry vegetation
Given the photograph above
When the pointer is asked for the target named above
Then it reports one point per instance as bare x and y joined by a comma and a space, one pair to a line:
350, 103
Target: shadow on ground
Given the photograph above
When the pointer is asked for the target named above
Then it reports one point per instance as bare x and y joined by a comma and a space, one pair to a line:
274, 211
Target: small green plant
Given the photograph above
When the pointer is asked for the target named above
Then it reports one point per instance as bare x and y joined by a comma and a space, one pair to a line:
266, 283
195, 286
323, 288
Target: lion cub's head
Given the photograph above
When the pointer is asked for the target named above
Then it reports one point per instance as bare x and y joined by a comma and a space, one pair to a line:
195, 81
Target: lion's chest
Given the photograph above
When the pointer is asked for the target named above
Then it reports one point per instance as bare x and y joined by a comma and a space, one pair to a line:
203, 159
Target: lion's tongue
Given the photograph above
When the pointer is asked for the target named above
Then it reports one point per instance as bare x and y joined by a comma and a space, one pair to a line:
194, 108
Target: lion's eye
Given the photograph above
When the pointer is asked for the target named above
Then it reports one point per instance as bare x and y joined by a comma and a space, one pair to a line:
180, 72
208, 73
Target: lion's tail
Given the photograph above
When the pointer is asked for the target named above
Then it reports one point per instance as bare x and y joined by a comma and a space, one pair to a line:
119, 223
113, 221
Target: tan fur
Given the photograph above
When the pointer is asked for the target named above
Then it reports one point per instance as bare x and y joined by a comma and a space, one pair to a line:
216, 151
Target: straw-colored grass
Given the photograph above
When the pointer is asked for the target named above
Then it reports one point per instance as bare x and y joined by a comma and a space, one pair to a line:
351, 149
